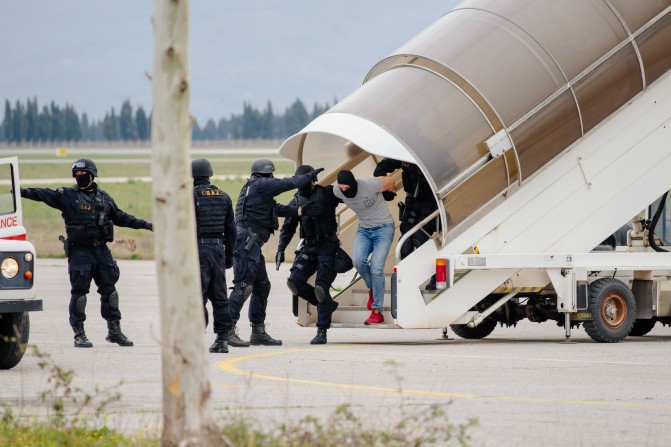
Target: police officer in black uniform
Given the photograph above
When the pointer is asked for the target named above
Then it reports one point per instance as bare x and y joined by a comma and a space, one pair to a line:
320, 241
419, 203
215, 231
256, 213
89, 214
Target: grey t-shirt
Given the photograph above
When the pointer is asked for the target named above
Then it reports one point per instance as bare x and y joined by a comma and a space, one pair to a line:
368, 204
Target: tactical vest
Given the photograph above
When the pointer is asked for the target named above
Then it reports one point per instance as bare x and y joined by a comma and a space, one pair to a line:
414, 182
210, 211
91, 224
256, 209
317, 229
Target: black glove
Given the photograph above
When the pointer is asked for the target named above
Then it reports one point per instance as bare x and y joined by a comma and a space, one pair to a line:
312, 209
279, 259
229, 263
388, 195
148, 226
313, 175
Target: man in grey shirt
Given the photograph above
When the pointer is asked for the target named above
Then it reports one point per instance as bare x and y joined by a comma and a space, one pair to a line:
374, 235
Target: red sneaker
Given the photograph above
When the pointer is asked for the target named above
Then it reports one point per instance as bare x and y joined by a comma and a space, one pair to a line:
375, 318
370, 300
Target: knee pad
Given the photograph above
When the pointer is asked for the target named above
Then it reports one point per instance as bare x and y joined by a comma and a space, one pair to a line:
292, 287
320, 293
248, 289
244, 290
113, 299
264, 289
80, 304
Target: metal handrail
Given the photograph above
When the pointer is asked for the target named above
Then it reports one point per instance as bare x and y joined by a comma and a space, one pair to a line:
413, 230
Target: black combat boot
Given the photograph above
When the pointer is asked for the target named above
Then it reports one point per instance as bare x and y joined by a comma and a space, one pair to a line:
261, 337
234, 340
220, 344
80, 337
114, 334
320, 338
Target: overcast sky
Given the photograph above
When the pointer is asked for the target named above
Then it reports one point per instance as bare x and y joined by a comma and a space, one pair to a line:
93, 55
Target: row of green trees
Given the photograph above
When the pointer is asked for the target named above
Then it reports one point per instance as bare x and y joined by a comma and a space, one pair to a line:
26, 123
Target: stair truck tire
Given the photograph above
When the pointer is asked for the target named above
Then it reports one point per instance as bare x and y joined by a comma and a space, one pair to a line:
642, 327
14, 331
613, 309
472, 333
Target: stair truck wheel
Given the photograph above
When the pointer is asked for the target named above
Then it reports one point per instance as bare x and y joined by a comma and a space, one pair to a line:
480, 331
613, 308
14, 330
642, 327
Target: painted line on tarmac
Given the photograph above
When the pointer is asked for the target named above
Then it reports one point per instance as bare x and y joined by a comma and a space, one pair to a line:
230, 366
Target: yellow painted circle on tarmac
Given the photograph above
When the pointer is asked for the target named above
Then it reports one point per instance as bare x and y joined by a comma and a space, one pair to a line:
231, 366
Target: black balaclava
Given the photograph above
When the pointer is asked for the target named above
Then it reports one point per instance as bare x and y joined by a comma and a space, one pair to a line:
347, 178
306, 190
84, 180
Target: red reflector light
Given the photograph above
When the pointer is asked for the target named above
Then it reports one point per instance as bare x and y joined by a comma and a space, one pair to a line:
28, 275
441, 273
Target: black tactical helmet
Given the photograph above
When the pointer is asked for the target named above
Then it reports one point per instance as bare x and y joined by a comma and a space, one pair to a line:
263, 166
304, 169
201, 168
86, 165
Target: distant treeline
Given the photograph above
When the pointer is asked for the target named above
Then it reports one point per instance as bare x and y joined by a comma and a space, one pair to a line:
25, 123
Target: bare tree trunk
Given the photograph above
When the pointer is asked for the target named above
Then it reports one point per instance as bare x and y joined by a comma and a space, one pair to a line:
187, 410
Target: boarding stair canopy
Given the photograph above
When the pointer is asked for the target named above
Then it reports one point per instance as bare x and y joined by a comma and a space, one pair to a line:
522, 115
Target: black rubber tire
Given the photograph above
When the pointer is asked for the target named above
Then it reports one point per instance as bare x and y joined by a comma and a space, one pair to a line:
473, 333
613, 308
642, 327
14, 331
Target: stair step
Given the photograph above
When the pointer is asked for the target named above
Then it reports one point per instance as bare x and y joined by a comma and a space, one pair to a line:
388, 292
361, 326
357, 315
359, 308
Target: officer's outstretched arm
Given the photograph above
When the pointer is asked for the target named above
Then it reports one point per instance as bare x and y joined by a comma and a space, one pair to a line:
386, 166
122, 219
52, 197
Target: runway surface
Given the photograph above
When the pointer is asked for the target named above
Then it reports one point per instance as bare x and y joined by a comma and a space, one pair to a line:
522, 385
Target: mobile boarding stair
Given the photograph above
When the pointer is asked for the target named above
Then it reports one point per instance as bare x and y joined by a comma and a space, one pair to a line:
533, 163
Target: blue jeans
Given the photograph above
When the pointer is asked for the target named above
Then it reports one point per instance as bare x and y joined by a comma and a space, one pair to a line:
376, 241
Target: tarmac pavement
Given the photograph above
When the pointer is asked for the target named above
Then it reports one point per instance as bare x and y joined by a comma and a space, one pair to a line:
522, 384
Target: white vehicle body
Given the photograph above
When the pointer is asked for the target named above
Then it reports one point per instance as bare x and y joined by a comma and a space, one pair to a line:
17, 257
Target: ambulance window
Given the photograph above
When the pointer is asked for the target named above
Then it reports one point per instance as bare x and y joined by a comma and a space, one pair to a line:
7, 203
